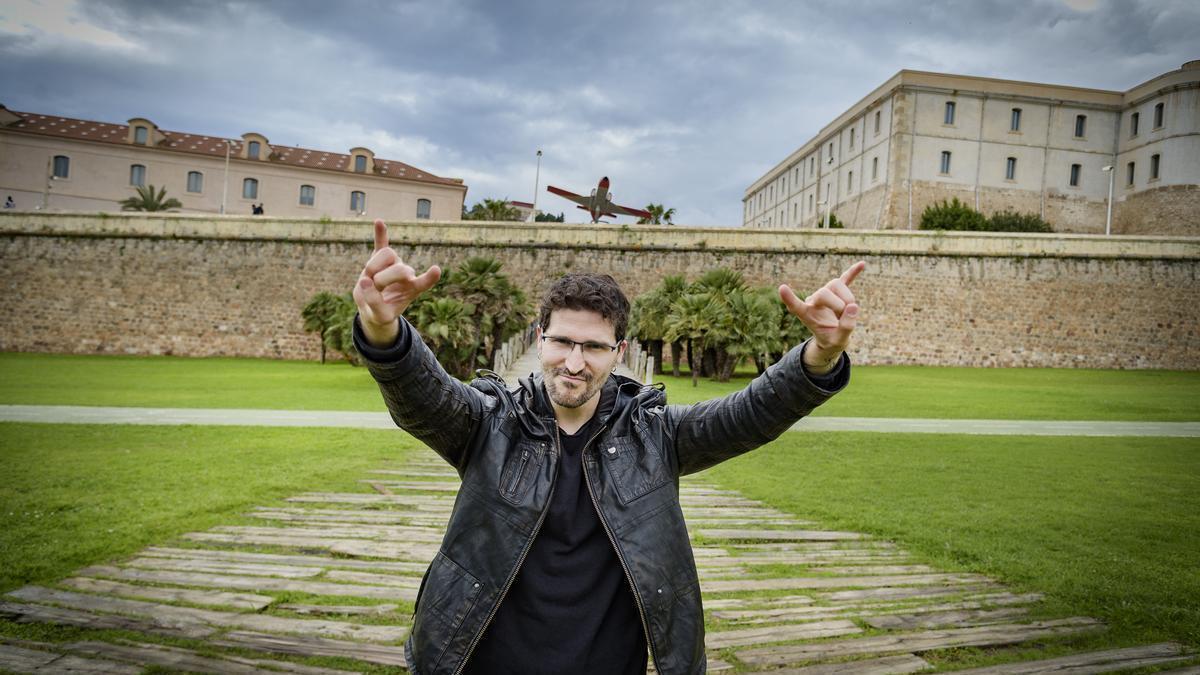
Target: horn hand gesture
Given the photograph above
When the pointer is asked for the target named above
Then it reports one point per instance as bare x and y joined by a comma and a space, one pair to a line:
386, 287
830, 314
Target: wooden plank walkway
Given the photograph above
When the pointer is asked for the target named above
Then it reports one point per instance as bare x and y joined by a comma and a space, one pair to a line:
334, 574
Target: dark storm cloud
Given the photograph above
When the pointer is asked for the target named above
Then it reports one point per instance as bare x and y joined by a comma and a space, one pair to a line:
679, 102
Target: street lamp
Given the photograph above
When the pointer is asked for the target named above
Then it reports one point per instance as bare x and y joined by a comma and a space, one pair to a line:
537, 176
1108, 218
225, 181
50, 177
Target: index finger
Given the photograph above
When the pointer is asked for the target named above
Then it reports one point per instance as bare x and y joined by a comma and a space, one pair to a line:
380, 235
853, 271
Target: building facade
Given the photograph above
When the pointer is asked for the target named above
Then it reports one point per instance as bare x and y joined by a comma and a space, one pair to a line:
996, 145
64, 164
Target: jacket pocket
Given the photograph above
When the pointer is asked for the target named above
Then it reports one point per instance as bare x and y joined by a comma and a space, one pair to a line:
520, 471
447, 596
634, 467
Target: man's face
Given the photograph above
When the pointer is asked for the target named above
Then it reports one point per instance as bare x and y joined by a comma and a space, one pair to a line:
574, 374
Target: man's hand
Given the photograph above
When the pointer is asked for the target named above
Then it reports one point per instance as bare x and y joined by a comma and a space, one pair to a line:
830, 313
385, 289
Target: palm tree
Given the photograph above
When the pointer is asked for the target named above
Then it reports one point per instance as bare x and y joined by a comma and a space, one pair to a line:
672, 288
493, 209
721, 285
445, 325
691, 318
148, 200
659, 214
320, 314
498, 307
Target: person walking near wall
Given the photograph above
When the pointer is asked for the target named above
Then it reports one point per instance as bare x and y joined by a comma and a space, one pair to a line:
566, 551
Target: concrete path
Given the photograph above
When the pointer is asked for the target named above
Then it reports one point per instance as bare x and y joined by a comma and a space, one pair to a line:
371, 420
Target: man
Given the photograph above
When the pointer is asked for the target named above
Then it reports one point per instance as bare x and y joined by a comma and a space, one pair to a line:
566, 550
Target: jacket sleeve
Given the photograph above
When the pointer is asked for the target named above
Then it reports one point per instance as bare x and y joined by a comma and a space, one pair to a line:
708, 433
422, 397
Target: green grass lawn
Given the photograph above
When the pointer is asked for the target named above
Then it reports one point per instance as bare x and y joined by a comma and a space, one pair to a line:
879, 391
1106, 527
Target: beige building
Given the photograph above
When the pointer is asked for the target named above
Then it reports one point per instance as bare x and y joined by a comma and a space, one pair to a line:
922, 137
64, 164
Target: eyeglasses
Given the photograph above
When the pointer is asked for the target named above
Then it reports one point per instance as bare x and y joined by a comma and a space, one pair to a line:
561, 346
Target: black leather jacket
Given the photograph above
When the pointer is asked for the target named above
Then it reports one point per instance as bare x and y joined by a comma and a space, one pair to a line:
505, 447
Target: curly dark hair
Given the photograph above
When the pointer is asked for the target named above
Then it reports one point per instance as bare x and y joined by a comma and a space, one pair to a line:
595, 292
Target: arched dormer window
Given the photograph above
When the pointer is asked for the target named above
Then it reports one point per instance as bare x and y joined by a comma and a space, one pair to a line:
255, 147
143, 132
362, 160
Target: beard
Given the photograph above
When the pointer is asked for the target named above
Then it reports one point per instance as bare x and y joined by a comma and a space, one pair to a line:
575, 396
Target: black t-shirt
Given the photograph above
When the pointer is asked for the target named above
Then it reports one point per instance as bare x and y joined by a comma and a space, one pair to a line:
570, 609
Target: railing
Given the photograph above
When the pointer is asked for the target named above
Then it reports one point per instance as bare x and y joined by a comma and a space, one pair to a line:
513, 348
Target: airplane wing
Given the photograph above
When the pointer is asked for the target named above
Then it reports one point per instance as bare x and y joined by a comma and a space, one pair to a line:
578, 199
628, 211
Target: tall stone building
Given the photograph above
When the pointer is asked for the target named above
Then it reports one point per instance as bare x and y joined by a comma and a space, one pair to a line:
921, 138
65, 164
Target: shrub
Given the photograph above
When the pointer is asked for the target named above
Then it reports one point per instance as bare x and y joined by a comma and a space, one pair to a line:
1010, 221
952, 215
834, 223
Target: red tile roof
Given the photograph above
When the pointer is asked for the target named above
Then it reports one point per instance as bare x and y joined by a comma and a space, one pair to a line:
212, 146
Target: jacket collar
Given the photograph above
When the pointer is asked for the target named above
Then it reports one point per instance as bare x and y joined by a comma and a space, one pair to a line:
617, 394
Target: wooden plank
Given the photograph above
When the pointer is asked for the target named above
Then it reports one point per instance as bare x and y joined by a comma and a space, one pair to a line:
721, 572
350, 547
375, 579
183, 615
15, 659
374, 549
876, 569
778, 535
887, 665
1001, 634
426, 485
173, 658
782, 633
425, 535
31, 613
284, 559
221, 567
862, 544
959, 618
734, 603
415, 472
836, 582
347, 610
708, 552
388, 517
1092, 662
909, 592
311, 646
746, 522
368, 498
196, 597
251, 583
800, 613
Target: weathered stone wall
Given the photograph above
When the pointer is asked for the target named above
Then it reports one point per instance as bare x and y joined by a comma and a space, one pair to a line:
1173, 209
234, 286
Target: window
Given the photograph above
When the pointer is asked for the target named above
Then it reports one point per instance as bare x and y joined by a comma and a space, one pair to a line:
876, 122
308, 195
1010, 168
874, 168
810, 203
195, 181
250, 188
812, 165
137, 175
360, 163
1015, 123
1075, 169
1154, 166
794, 212
1080, 125
1133, 124
945, 162
852, 139
253, 149
830, 150
1129, 173
849, 181
1158, 115
141, 135
358, 201
62, 166
772, 197
948, 117
796, 176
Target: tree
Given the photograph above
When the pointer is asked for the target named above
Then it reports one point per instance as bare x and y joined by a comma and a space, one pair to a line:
659, 215
332, 318
445, 325
722, 285
148, 200
550, 218
494, 210
953, 215
499, 309
691, 318
319, 315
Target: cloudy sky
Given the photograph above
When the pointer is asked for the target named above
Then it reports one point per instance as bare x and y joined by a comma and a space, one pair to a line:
682, 103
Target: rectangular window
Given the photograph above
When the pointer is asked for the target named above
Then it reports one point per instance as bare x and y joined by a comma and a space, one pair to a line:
874, 168
1133, 124
794, 212
250, 188
1080, 125
849, 181
796, 176
945, 162
812, 166
1154, 167
195, 181
360, 163
308, 195
137, 175
830, 150
1015, 123
1075, 169
876, 122
253, 149
141, 135
358, 201
1129, 173
1010, 168
1158, 115
810, 203
852, 139
62, 166
948, 117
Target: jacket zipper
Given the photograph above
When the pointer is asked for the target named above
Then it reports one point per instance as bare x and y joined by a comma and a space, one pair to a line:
517, 475
520, 561
620, 556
